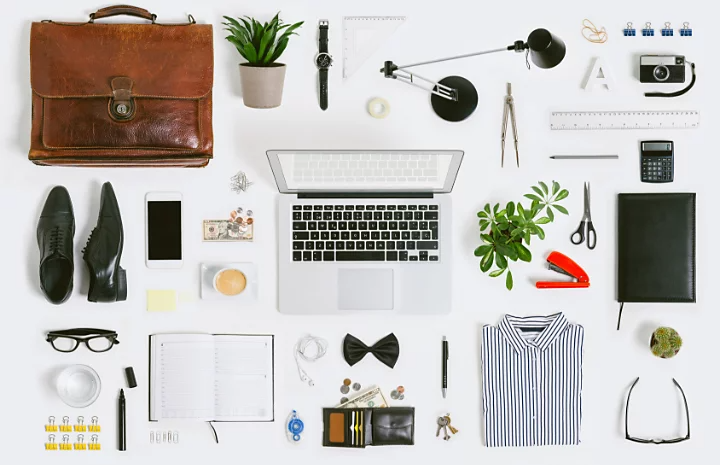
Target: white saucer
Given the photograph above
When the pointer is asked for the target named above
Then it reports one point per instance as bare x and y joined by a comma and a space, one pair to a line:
207, 276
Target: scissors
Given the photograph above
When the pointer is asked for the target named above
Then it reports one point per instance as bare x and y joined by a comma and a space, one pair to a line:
586, 229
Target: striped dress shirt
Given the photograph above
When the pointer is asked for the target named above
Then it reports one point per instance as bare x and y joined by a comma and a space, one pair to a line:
532, 381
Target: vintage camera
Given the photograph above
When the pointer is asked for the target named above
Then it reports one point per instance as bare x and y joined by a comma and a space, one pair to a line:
662, 69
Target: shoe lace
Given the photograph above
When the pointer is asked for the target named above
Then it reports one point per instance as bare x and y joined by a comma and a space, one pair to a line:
57, 239
87, 244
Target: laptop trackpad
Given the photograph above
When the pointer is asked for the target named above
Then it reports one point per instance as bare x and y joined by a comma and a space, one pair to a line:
365, 289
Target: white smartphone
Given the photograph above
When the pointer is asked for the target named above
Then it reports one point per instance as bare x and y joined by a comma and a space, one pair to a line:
163, 230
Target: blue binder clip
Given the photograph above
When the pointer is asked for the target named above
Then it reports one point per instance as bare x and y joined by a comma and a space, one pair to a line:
686, 31
648, 31
667, 31
629, 31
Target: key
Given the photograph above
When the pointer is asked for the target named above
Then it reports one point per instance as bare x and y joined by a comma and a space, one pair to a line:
297, 256
447, 435
359, 256
317, 216
297, 207
453, 430
307, 216
299, 225
297, 216
432, 216
317, 256
307, 256
441, 422
298, 245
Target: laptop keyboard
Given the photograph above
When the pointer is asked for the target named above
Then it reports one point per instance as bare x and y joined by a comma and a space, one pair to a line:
365, 233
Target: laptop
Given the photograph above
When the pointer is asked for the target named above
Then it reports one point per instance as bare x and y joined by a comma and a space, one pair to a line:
365, 230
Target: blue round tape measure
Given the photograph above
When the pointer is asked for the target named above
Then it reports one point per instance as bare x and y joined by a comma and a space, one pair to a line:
295, 426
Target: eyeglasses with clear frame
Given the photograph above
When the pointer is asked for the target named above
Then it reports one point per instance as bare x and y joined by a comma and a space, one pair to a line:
96, 340
656, 441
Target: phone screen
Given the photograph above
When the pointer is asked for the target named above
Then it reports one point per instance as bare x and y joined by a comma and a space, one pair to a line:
164, 230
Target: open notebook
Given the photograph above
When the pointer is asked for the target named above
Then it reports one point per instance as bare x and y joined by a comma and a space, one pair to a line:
211, 377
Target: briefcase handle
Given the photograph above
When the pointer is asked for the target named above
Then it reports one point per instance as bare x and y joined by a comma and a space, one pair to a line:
117, 10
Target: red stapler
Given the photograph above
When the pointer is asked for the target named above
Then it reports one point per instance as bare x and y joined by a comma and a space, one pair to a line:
562, 264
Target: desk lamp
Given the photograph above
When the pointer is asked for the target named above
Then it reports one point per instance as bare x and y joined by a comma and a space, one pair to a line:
454, 98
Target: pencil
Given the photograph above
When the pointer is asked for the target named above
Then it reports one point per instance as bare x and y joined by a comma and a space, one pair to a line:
585, 157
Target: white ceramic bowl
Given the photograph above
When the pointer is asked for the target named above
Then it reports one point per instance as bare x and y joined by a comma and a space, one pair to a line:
78, 386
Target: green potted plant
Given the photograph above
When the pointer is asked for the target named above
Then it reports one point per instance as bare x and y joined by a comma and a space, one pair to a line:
665, 342
504, 231
261, 45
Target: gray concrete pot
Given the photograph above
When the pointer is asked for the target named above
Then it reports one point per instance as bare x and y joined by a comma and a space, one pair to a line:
262, 87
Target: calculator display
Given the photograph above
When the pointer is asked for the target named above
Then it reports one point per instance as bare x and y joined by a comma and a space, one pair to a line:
656, 147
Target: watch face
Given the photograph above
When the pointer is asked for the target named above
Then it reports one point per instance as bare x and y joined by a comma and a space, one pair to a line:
323, 60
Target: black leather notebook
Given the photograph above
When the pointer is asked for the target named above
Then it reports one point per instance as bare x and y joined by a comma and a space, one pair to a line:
656, 248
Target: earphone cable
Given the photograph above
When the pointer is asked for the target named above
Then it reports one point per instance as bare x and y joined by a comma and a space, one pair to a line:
301, 352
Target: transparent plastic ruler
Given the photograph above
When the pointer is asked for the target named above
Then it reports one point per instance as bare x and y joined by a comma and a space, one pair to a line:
363, 36
601, 120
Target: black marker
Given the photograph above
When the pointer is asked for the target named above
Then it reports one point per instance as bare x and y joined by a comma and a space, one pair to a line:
445, 356
121, 421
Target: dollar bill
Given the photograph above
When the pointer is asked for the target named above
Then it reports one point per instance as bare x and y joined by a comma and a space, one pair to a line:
373, 398
227, 231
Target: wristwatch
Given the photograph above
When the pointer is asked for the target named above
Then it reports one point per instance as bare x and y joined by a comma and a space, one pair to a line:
323, 61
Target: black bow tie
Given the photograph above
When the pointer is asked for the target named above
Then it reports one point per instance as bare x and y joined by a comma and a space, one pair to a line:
387, 350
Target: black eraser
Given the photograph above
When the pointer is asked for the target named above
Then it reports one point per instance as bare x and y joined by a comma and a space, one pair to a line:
130, 376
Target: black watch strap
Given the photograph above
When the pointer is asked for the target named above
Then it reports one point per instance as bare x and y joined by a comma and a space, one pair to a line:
323, 74
323, 89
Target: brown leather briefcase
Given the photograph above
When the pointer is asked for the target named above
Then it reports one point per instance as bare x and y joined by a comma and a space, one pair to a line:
121, 94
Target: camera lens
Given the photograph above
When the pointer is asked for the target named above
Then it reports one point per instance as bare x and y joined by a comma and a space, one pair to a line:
661, 73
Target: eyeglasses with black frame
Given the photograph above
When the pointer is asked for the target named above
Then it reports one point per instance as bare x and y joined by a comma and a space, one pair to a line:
656, 441
96, 340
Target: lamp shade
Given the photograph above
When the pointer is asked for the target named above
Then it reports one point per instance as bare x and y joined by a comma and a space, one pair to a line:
546, 49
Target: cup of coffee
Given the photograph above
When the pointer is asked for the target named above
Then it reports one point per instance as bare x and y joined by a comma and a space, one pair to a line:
230, 282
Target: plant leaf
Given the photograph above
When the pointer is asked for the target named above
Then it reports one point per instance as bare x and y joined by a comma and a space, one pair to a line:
509, 281
487, 238
544, 187
561, 209
483, 250
506, 250
267, 37
540, 232
517, 232
510, 209
550, 214
487, 209
543, 220
521, 211
523, 252
527, 237
503, 226
501, 261
278, 51
538, 191
482, 215
484, 224
556, 187
497, 273
486, 262
532, 197
562, 195
250, 53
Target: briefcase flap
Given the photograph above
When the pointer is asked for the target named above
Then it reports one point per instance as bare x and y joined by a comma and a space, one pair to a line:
77, 60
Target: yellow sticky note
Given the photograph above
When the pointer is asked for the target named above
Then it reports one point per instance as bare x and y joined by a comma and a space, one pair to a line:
161, 301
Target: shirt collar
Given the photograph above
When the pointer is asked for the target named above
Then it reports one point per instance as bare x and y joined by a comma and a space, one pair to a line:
554, 326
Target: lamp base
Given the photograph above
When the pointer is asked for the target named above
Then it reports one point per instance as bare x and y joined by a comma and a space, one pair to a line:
460, 109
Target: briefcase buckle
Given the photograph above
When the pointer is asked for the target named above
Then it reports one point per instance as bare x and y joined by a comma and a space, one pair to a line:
122, 104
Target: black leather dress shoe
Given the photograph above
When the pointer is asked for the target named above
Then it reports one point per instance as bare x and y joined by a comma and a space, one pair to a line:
55, 233
103, 251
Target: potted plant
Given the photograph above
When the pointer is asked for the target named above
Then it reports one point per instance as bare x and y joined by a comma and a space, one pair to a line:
665, 342
261, 45
504, 231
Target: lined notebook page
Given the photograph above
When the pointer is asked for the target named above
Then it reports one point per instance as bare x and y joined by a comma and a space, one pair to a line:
243, 378
182, 367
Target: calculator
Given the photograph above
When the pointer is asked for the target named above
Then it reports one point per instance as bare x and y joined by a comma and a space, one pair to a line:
657, 161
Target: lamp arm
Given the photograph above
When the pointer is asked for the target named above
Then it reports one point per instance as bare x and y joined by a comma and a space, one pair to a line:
467, 55
409, 78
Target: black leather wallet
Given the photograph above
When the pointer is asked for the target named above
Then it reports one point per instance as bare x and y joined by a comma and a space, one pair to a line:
656, 248
350, 427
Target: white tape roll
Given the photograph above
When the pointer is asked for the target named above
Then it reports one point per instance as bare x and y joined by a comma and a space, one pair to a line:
379, 108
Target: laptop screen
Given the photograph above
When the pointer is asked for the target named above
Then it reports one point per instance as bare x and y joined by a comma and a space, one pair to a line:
370, 170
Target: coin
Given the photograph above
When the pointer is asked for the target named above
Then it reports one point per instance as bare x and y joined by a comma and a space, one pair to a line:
249, 213
394, 395
344, 389
343, 400
347, 382
250, 221
401, 397
356, 387
401, 389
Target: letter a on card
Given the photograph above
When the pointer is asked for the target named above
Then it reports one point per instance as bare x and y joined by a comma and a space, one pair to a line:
599, 75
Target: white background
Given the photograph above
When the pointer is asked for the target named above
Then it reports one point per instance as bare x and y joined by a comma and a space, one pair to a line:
434, 29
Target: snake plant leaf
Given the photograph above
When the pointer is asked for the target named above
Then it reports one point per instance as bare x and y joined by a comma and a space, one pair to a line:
250, 53
290, 31
278, 50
